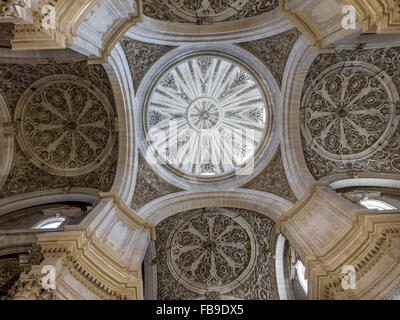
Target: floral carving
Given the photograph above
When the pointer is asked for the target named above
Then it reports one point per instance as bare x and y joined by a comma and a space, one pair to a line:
24, 176
350, 113
8, 8
274, 51
273, 180
65, 126
206, 11
211, 250
29, 287
212, 253
149, 186
141, 56
260, 285
347, 110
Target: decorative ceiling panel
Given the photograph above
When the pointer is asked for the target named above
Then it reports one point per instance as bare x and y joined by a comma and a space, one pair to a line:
219, 110
206, 11
66, 125
149, 186
69, 130
215, 253
350, 113
273, 180
274, 51
141, 56
206, 117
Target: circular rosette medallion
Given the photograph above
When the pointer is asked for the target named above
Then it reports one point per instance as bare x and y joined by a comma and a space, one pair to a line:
349, 111
66, 126
206, 116
212, 252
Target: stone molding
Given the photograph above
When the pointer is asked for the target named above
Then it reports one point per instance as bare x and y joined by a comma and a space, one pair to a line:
90, 263
169, 33
338, 233
299, 61
371, 243
265, 203
319, 21
128, 216
380, 16
6, 143
92, 27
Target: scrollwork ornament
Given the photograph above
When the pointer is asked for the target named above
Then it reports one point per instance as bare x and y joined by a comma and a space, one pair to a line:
206, 11
65, 125
349, 111
212, 251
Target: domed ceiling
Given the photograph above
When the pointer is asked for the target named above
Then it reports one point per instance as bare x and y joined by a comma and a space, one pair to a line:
206, 117
180, 82
206, 11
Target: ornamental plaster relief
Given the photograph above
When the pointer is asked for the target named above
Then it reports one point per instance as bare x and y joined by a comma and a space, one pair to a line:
141, 56
273, 180
215, 252
221, 66
206, 11
274, 51
52, 138
149, 186
350, 113
65, 125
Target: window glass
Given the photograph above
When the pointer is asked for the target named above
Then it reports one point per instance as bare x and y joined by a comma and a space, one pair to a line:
51, 223
374, 204
301, 275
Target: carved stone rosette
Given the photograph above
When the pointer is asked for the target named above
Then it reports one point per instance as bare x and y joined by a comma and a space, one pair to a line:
350, 111
65, 125
212, 252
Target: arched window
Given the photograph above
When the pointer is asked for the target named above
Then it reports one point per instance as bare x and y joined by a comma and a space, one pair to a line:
301, 275
374, 204
50, 223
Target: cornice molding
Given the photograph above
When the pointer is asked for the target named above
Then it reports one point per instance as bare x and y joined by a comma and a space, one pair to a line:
322, 27
380, 16
366, 244
92, 263
91, 27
